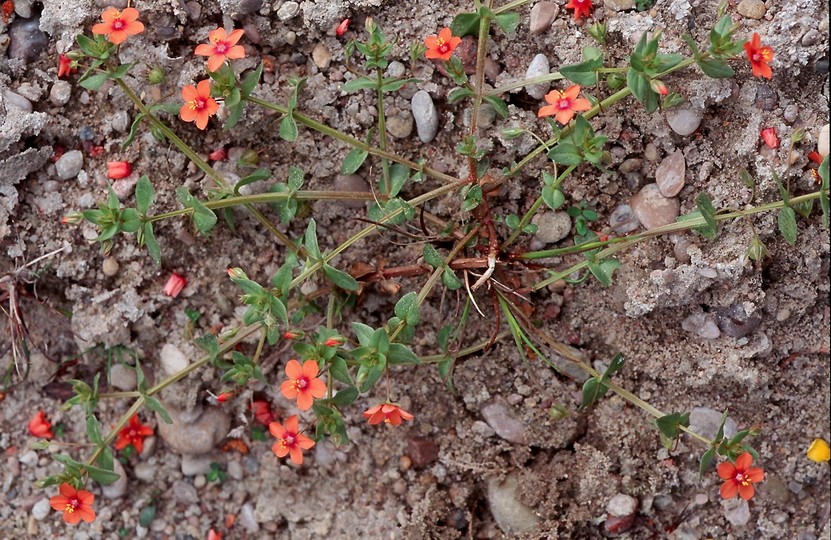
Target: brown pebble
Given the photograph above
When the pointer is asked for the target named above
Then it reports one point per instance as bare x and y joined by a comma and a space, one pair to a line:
422, 451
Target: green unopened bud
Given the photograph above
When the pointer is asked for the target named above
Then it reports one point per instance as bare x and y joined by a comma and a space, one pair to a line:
756, 251
615, 81
155, 75
598, 32
798, 135
370, 25
236, 272
512, 133
74, 55
673, 99
248, 158
72, 218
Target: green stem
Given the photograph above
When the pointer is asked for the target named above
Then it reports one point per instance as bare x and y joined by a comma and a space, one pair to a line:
534, 207
382, 131
481, 56
509, 6
434, 358
513, 85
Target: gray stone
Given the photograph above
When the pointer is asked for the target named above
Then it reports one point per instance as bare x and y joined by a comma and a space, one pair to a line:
752, 9
288, 10
622, 505
499, 415
810, 38
123, 377
30, 458
23, 8
736, 511
552, 226
630, 165
705, 422
41, 509
60, 93
619, 5
351, 182
735, 322
196, 432
16, 100
26, 40
791, 113
650, 152
623, 220
144, 471
184, 492
235, 470
120, 121
766, 97
539, 66
118, 488
172, 359
321, 56
822, 141
425, 115
512, 516
69, 165
670, 174
400, 126
684, 120
124, 187
395, 69
653, 209
247, 520
235, 8
110, 266
702, 325
193, 465
542, 15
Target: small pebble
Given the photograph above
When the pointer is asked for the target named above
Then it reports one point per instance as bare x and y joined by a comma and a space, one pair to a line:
194, 465
351, 182
194, 432
542, 15
16, 100
110, 266
670, 174
246, 518
752, 9
395, 69
172, 359
736, 511
552, 226
653, 209
118, 488
622, 505
511, 515
321, 56
60, 92
146, 472
810, 38
701, 324
422, 450
705, 422
199, 481
69, 165
184, 492
400, 126
630, 165
235, 470
499, 416
623, 220
123, 377
650, 152
539, 66
684, 120
822, 141
735, 322
26, 40
791, 113
766, 97
425, 115
41, 509
120, 121
288, 10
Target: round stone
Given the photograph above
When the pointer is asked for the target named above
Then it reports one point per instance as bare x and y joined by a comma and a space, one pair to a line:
542, 15
69, 165
653, 209
623, 220
110, 266
351, 182
60, 92
670, 174
822, 141
539, 66
194, 433
425, 115
552, 226
172, 359
684, 120
752, 9
400, 126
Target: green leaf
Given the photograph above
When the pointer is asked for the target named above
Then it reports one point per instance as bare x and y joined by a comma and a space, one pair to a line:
131, 136
398, 177
105, 460
823, 194
295, 179
310, 241
363, 332
360, 83
407, 308
715, 68
256, 176
144, 194
465, 24
341, 279
288, 128
708, 212
399, 354
102, 476
593, 390
431, 256
130, 220
507, 21
787, 224
95, 82
615, 364
498, 105
603, 270
450, 280
120, 71
706, 459
639, 85
553, 197
394, 84
203, 218
566, 153
344, 397
156, 406
251, 81
804, 208
458, 94
353, 161
94, 430
473, 197
670, 424
153, 248
146, 516
585, 72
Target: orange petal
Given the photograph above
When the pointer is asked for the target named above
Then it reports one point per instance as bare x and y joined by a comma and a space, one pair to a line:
372, 411
394, 418
293, 369
187, 114
129, 14
134, 28
571, 92
211, 106
581, 104
86, 513
236, 52
746, 492
726, 470
455, 42
755, 474
729, 489
446, 34
189, 93
235, 36
432, 54
310, 369
204, 88
292, 424
204, 50
755, 41
58, 502
102, 28
67, 491
109, 15
405, 415
288, 390
548, 110
296, 455
279, 450
564, 117
73, 518
304, 401
317, 388
767, 53
431, 42
215, 62
376, 418
217, 35
304, 442
744, 461
118, 37
277, 429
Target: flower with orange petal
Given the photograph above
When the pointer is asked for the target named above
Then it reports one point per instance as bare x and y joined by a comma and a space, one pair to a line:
289, 441
133, 434
222, 46
119, 25
739, 478
262, 412
39, 426
759, 56
199, 105
564, 103
64, 66
441, 47
769, 136
75, 504
389, 413
118, 169
303, 384
580, 7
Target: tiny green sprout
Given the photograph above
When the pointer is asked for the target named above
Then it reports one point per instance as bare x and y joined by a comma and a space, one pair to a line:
155, 75
756, 251
598, 32
216, 474
249, 158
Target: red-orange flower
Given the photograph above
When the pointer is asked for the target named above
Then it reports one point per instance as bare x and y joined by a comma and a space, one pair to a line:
222, 47
262, 412
133, 434
118, 25
580, 7
75, 505
64, 66
39, 426
389, 413
175, 284
303, 384
769, 136
289, 441
199, 105
118, 169
564, 104
441, 47
739, 478
759, 57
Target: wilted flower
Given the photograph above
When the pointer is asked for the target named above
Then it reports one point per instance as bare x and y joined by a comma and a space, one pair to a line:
39, 426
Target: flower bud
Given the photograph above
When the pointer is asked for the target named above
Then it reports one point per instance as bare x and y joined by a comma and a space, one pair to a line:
342, 27
658, 87
117, 170
174, 285
770, 138
756, 250
72, 218
236, 273
155, 75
